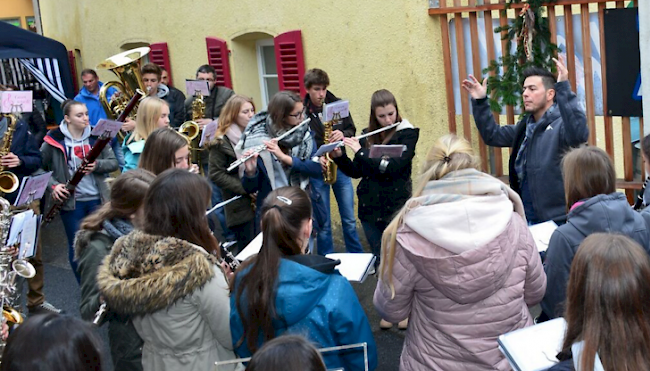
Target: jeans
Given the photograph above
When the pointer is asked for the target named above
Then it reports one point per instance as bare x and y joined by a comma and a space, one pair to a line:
117, 150
373, 233
71, 220
344, 193
217, 197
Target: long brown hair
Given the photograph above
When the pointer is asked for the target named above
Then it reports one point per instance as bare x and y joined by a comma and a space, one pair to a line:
381, 98
608, 303
127, 193
281, 226
230, 113
175, 206
159, 151
435, 166
588, 171
280, 107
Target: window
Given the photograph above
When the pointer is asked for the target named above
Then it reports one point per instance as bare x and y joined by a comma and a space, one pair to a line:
267, 69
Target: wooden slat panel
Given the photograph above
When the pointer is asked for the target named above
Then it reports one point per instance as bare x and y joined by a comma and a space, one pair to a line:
503, 20
501, 6
609, 127
446, 57
476, 66
489, 43
570, 51
628, 166
552, 23
589, 76
462, 73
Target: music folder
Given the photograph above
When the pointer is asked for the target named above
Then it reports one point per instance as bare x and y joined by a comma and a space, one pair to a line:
354, 266
535, 347
387, 150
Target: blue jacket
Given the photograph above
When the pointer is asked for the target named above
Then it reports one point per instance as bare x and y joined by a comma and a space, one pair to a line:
318, 304
555, 134
95, 110
132, 152
603, 213
24, 146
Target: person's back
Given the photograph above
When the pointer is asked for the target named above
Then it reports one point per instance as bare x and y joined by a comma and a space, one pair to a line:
463, 267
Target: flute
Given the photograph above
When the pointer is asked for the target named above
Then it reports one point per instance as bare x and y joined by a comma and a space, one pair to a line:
262, 147
359, 137
221, 204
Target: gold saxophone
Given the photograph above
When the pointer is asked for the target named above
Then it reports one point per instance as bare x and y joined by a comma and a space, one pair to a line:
329, 172
192, 130
8, 180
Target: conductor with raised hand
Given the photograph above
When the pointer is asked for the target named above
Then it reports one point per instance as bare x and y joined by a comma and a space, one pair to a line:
554, 122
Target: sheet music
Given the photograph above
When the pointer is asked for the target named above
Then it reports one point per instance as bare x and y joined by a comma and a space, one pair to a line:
28, 237
534, 348
251, 249
354, 266
542, 233
17, 225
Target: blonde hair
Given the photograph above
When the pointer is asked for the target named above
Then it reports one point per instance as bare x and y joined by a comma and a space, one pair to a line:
149, 112
449, 153
230, 113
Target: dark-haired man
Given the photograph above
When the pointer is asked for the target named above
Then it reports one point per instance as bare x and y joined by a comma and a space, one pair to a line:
151, 78
219, 95
554, 123
316, 82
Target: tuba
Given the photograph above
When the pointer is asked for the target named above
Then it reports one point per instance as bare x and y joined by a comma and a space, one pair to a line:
8, 180
126, 66
329, 172
192, 130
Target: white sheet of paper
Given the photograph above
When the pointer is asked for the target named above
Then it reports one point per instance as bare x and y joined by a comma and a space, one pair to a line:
208, 132
110, 126
342, 107
16, 101
354, 266
28, 237
326, 148
534, 348
542, 233
251, 249
17, 225
34, 185
192, 86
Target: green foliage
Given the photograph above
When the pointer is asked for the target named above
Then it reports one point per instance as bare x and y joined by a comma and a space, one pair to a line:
507, 86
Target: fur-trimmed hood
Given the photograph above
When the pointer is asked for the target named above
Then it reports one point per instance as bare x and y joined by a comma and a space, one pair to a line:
146, 273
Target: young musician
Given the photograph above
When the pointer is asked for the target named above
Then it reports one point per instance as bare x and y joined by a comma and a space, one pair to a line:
240, 215
385, 182
153, 113
63, 152
288, 353
593, 205
284, 163
94, 241
608, 307
166, 275
281, 290
165, 149
175, 99
459, 262
316, 82
214, 103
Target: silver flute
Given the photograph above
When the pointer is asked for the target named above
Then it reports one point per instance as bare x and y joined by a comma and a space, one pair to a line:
358, 137
262, 147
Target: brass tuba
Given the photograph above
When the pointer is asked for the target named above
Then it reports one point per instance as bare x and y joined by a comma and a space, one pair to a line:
126, 66
8, 180
329, 172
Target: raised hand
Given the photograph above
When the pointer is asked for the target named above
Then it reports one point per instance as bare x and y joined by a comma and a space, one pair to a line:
562, 71
476, 89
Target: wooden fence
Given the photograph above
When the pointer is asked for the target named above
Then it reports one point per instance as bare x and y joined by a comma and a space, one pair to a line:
496, 9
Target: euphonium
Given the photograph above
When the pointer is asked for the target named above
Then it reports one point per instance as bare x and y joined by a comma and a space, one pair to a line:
329, 172
8, 180
126, 66
192, 130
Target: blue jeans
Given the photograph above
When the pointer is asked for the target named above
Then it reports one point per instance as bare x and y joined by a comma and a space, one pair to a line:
71, 220
344, 193
373, 232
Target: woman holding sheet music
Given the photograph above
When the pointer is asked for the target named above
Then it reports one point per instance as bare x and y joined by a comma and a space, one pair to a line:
459, 261
240, 215
167, 277
284, 163
385, 182
282, 290
63, 152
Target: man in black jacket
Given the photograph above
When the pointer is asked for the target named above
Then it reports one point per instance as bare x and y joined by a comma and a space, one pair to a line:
316, 82
554, 123
219, 95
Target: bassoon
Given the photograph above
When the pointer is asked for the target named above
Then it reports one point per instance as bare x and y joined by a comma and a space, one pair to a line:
94, 153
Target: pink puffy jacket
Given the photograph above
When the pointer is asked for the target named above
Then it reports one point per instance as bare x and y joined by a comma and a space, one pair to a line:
458, 304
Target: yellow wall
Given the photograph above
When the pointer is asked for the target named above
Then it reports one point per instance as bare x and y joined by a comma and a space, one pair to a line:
11, 9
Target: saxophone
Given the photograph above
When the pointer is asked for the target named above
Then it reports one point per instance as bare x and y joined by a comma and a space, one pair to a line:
8, 180
329, 172
192, 130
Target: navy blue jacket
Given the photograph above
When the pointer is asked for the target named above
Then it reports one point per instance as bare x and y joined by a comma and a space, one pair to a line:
24, 146
555, 134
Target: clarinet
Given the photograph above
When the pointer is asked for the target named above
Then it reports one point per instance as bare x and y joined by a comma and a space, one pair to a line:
638, 205
228, 257
95, 151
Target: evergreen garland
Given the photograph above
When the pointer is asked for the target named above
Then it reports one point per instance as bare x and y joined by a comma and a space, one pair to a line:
507, 88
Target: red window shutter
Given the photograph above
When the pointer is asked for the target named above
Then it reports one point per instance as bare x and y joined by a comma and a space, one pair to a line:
290, 59
160, 55
218, 58
73, 70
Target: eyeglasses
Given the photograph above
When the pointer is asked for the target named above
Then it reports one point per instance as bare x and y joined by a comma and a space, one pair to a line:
298, 115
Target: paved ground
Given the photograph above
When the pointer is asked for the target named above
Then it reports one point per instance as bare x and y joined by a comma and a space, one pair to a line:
61, 289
